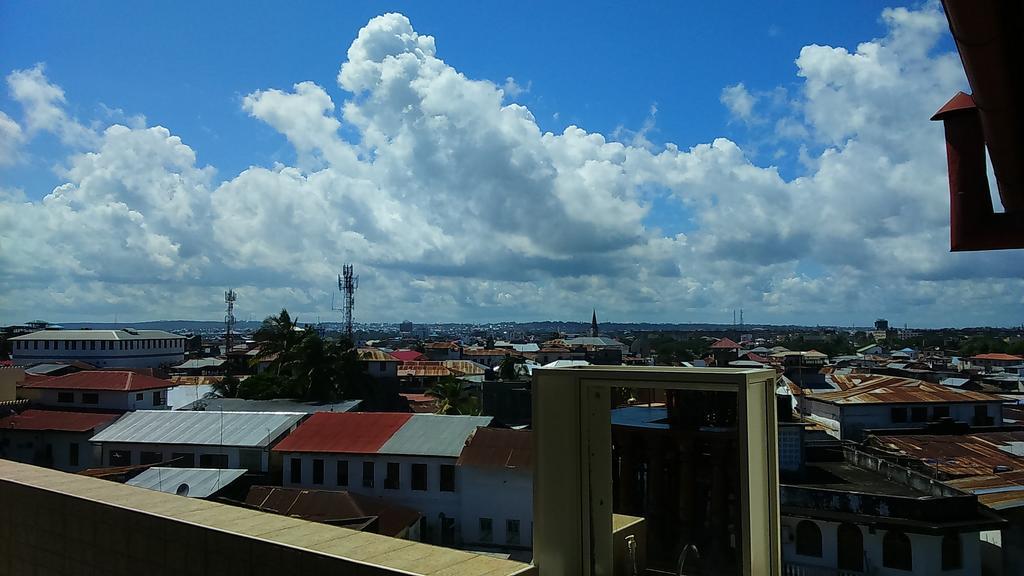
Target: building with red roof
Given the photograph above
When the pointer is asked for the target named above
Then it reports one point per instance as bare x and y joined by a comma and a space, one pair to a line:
99, 389
402, 458
53, 438
408, 355
996, 360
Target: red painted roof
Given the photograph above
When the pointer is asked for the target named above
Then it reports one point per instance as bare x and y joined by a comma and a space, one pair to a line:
756, 358
725, 343
1008, 357
408, 355
112, 380
349, 432
58, 420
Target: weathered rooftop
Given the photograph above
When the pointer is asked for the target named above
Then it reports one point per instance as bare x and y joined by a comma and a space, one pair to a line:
958, 455
246, 429
200, 482
433, 435
100, 380
499, 449
98, 335
877, 389
56, 420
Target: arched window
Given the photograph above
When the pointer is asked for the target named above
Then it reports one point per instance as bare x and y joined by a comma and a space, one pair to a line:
808, 539
951, 552
850, 544
896, 551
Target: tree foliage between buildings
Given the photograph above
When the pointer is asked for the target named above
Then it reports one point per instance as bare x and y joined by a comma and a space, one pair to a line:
453, 397
301, 364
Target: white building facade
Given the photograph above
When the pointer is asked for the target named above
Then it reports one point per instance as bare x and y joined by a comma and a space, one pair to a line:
100, 389
123, 348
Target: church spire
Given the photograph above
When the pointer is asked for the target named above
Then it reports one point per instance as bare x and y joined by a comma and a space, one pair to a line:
593, 324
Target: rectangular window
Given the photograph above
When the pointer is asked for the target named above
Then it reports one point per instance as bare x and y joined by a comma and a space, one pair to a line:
46, 344
17, 344
342, 473
92, 344
150, 457
103, 344
140, 396
183, 460
383, 366
120, 458
393, 481
65, 397
73, 454
74, 344
368, 474
512, 532
447, 478
158, 398
919, 414
419, 476
250, 459
90, 398
981, 415
35, 344
899, 415
486, 530
296, 474
318, 471
213, 461
940, 412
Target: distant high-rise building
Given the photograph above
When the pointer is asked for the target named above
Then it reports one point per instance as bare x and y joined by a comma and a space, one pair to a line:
881, 325
405, 327
593, 324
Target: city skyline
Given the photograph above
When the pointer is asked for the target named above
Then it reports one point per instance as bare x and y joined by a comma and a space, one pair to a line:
805, 184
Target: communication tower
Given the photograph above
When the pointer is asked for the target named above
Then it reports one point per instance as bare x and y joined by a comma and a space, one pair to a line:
347, 284
229, 320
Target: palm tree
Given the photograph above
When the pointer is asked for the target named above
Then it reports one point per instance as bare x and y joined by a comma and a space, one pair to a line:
452, 397
277, 338
226, 387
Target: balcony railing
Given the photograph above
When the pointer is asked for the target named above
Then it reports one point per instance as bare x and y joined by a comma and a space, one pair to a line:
789, 569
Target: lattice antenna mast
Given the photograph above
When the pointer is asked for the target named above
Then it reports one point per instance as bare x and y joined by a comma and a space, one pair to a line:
347, 284
229, 320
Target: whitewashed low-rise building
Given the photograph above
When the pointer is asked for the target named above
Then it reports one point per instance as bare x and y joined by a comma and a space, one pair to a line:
196, 439
99, 389
122, 348
408, 459
496, 471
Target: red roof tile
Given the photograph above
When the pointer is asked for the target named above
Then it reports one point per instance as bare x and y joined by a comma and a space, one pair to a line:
408, 355
57, 420
117, 381
724, 344
348, 432
1007, 357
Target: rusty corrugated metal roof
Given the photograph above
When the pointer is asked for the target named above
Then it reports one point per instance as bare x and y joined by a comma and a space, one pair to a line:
963, 455
426, 368
878, 389
345, 432
500, 449
465, 367
998, 491
376, 355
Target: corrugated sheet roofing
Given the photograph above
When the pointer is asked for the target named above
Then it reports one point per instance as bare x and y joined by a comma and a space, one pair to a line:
427, 368
201, 482
499, 449
97, 335
878, 389
103, 380
465, 367
997, 491
375, 355
725, 344
244, 429
964, 455
56, 420
197, 363
993, 356
433, 435
353, 432
276, 405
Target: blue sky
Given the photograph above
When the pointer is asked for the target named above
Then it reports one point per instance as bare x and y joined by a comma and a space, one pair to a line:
758, 166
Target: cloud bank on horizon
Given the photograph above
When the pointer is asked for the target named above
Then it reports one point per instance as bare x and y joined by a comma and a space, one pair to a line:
454, 205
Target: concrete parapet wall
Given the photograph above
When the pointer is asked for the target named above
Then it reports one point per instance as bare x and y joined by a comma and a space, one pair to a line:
62, 524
